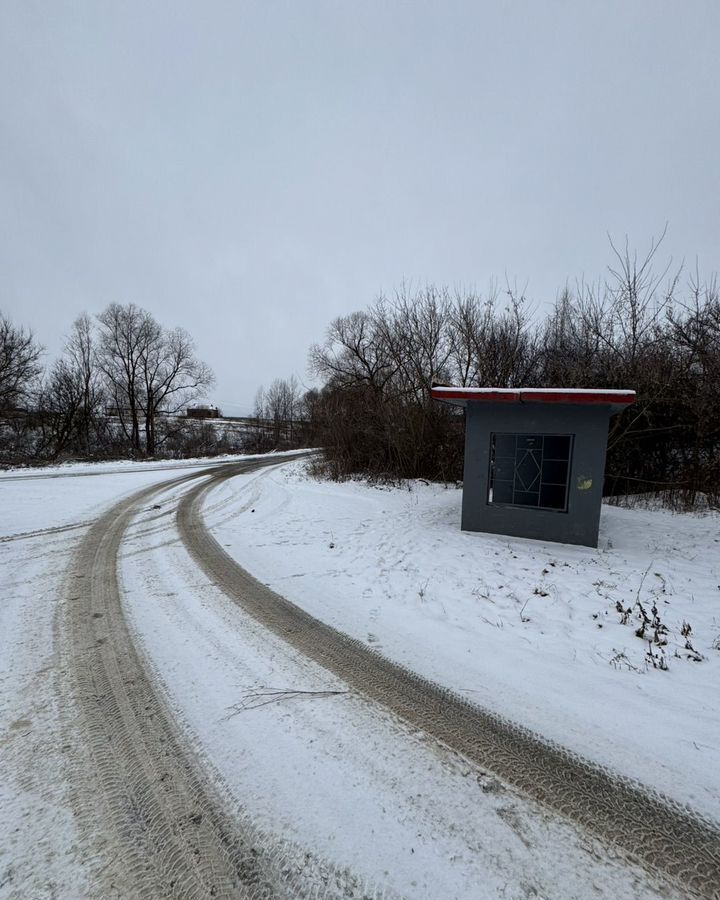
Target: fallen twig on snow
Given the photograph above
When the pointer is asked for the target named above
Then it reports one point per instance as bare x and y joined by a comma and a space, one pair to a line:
256, 699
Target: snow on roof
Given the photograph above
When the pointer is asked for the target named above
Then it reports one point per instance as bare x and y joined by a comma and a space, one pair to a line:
461, 395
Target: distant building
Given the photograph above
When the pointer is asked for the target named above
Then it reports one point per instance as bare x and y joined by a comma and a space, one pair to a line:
203, 412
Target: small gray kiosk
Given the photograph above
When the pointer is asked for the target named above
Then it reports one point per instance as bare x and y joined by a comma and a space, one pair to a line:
535, 459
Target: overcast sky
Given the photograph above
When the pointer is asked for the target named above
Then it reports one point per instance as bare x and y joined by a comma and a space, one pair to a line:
252, 170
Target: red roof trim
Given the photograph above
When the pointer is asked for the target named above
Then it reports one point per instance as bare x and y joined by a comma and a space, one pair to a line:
499, 396
534, 395
564, 397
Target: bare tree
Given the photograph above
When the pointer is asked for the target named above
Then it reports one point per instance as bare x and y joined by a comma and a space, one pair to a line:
81, 355
71, 399
376, 409
281, 408
413, 329
638, 298
259, 404
260, 438
148, 370
353, 353
492, 344
123, 333
19, 363
172, 376
695, 340
61, 402
280, 415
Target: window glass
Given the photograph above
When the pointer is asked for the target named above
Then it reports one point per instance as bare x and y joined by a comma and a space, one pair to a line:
530, 470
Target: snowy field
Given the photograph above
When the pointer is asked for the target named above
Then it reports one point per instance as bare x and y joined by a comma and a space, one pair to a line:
527, 629
538, 632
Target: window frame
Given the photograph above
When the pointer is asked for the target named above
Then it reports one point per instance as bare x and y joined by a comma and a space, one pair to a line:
526, 436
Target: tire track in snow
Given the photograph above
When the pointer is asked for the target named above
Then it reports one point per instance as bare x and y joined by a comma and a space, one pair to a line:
140, 794
43, 532
666, 838
35, 475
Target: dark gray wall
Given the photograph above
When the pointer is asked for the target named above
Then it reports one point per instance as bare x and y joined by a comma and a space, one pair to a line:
589, 425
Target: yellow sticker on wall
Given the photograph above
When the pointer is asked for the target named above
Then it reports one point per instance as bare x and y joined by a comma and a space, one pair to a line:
583, 483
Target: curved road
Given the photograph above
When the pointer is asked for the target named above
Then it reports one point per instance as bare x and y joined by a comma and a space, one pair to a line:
172, 832
138, 792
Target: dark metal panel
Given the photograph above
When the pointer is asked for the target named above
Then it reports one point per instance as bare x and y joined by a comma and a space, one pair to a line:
579, 524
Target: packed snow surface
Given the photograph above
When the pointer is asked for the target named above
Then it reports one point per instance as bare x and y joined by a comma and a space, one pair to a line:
513, 625
312, 762
539, 632
43, 515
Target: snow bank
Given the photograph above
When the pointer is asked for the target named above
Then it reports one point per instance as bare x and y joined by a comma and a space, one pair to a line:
538, 632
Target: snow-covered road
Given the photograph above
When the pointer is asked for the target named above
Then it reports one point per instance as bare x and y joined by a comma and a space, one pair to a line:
42, 522
335, 784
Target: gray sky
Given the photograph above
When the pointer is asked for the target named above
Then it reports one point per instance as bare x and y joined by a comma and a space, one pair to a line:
252, 170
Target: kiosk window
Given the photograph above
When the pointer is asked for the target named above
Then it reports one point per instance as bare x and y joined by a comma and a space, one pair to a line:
530, 470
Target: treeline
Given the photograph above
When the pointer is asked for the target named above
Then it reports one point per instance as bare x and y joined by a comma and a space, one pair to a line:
656, 333
115, 391
280, 417
123, 378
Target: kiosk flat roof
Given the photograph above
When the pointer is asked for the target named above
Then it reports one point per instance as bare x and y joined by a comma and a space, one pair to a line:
461, 396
